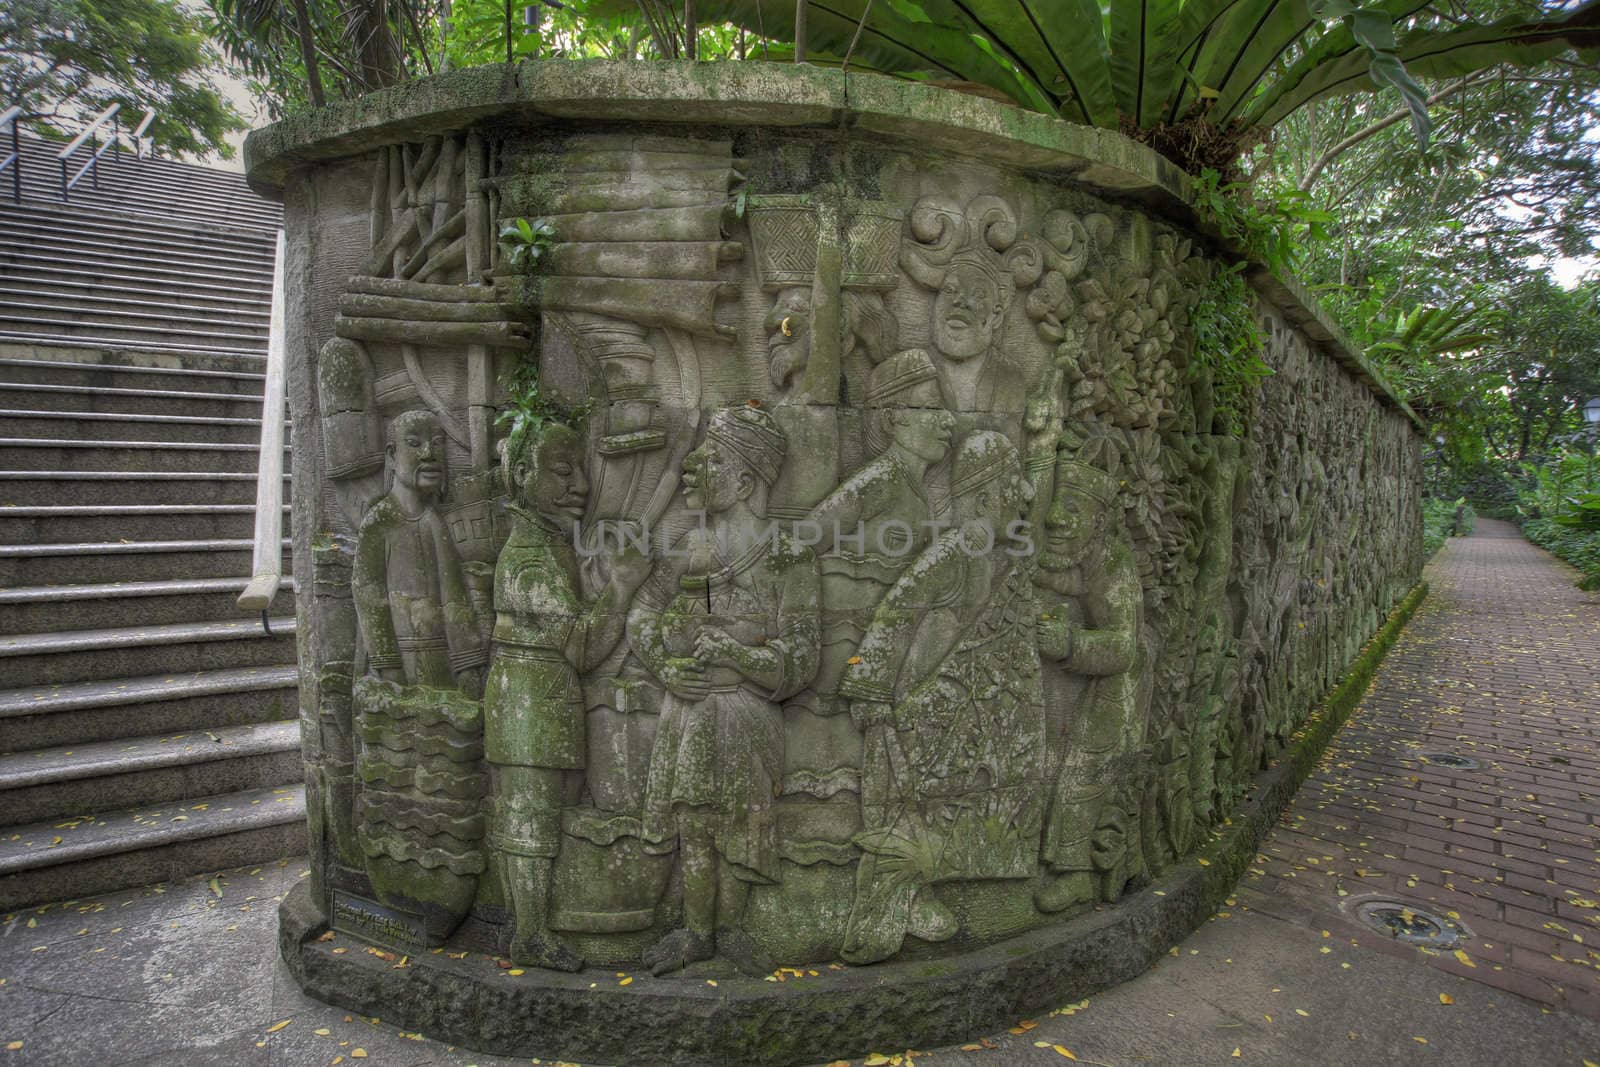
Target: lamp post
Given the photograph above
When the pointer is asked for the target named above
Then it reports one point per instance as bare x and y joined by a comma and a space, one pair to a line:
1591, 414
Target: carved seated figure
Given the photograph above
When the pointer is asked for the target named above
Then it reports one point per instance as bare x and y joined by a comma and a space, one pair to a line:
545, 636
946, 684
1088, 562
729, 624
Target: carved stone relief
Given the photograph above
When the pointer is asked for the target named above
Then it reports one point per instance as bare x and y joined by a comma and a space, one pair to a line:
899, 592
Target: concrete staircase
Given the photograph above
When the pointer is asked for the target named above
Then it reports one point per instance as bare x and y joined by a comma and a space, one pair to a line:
147, 729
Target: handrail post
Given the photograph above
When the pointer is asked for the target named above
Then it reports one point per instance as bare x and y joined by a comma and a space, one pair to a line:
116, 136
266, 568
10, 117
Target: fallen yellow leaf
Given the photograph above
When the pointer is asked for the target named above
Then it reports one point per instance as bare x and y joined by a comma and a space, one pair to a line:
322, 1031
1461, 955
1059, 1051
1420, 1040
1302, 1013
877, 1059
1236, 1054
626, 981
358, 1053
1446, 998
275, 1027
513, 972
12, 1046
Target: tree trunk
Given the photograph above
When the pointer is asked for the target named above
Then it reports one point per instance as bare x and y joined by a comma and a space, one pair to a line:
308, 52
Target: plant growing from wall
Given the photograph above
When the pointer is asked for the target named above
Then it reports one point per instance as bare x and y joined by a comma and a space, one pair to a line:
523, 243
1228, 346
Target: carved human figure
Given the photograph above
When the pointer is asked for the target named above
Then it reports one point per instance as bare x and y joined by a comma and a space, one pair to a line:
729, 624
1088, 565
411, 597
876, 522
788, 327
545, 637
419, 720
946, 685
974, 261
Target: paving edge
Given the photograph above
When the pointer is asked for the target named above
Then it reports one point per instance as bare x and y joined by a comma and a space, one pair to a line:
841, 1014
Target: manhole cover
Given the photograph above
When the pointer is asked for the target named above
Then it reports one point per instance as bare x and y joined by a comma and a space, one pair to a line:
1411, 924
1449, 759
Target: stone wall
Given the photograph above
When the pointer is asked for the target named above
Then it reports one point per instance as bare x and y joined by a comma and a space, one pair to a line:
900, 590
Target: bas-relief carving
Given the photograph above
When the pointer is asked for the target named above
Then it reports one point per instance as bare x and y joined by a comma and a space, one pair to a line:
573, 684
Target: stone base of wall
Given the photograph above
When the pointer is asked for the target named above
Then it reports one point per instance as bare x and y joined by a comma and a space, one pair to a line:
822, 1013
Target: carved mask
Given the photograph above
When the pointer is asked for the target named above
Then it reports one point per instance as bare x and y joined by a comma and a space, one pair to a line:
417, 452
966, 312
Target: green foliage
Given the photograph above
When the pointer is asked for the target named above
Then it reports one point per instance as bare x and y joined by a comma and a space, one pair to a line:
1227, 346
1560, 511
528, 407
1200, 80
299, 53
64, 61
523, 243
1443, 519
1278, 226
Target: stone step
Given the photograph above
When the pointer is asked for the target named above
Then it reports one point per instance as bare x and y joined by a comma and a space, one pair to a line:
30, 305
132, 456
65, 715
28, 265
44, 227
61, 343
121, 426
53, 608
119, 848
133, 522
50, 225
129, 263
155, 328
127, 227
87, 398
109, 300
107, 488
133, 561
85, 655
26, 269
57, 783
246, 375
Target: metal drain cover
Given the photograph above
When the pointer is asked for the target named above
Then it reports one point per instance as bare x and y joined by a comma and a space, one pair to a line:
1411, 924
1449, 759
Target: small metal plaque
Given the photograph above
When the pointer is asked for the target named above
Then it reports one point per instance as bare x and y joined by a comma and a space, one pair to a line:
378, 923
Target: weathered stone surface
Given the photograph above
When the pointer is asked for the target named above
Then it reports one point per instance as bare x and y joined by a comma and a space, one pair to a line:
902, 596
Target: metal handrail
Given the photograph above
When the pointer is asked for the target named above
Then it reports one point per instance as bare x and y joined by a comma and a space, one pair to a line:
93, 163
266, 567
14, 159
139, 137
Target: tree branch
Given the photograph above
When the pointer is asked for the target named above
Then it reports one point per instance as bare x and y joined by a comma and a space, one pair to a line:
1382, 124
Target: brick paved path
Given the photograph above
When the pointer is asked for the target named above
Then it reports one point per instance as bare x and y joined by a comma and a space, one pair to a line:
1502, 665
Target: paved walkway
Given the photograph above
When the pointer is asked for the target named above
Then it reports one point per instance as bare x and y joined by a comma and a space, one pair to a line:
1501, 665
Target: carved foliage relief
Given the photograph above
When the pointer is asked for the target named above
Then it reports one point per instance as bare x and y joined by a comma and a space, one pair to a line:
897, 592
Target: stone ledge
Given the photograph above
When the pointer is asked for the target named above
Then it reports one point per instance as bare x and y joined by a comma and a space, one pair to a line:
838, 1014
785, 95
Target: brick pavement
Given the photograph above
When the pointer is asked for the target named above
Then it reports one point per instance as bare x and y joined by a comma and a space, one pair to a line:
1501, 665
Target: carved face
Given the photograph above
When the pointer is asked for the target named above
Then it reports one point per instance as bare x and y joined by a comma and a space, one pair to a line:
713, 479
925, 432
789, 334
558, 488
966, 312
1075, 522
417, 454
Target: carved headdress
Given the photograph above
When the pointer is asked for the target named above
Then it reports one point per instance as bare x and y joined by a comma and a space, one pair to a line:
983, 235
983, 457
754, 436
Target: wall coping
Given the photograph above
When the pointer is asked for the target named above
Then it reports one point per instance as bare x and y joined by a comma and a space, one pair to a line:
781, 95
